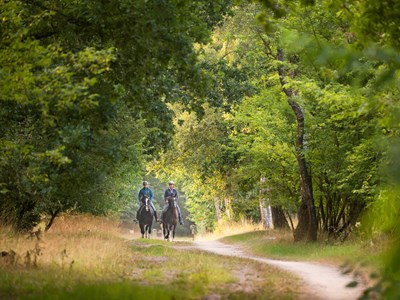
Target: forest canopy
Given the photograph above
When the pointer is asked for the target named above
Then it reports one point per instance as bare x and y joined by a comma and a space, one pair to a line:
85, 87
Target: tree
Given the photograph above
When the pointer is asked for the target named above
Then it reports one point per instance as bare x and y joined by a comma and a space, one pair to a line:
195, 161
307, 220
42, 86
370, 61
302, 33
84, 85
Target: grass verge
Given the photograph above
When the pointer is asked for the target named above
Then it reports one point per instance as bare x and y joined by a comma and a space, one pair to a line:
364, 258
280, 245
83, 257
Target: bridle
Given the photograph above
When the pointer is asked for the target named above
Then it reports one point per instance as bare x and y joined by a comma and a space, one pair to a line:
171, 202
146, 203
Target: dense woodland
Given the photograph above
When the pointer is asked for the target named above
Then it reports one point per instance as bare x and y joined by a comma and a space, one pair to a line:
239, 102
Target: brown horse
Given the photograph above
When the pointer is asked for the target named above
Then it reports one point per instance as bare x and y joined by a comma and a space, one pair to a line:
145, 218
170, 219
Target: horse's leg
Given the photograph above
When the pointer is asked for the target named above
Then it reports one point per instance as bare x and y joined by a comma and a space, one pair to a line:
165, 231
166, 235
171, 233
149, 230
141, 225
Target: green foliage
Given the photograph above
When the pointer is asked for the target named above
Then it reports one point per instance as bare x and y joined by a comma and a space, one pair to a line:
340, 160
367, 60
345, 162
44, 88
375, 21
340, 129
342, 125
263, 134
196, 162
84, 92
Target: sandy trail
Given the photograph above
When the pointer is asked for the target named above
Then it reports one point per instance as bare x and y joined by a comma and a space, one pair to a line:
328, 283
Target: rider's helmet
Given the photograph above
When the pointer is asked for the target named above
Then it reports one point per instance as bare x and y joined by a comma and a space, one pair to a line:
171, 182
145, 183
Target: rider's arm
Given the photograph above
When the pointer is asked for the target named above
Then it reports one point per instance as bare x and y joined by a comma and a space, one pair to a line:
140, 195
165, 195
151, 195
176, 195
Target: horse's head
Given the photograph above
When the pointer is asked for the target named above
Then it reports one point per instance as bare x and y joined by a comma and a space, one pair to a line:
171, 201
146, 201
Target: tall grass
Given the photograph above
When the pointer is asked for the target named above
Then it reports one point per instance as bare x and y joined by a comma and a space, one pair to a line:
226, 228
84, 257
76, 249
79, 242
280, 245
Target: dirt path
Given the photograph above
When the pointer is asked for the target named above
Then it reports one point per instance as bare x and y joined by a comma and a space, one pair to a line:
327, 283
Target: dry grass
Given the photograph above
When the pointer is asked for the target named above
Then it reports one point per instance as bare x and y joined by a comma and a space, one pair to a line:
226, 228
82, 253
78, 242
77, 250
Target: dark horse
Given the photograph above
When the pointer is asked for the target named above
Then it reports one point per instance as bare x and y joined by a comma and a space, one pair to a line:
145, 218
170, 219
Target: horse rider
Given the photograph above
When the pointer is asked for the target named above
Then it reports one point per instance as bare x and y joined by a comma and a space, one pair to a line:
171, 192
145, 192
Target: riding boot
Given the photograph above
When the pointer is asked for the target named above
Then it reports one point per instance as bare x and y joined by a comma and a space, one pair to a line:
180, 219
155, 216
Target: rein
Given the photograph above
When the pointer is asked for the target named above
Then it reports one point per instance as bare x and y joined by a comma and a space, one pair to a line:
171, 202
146, 203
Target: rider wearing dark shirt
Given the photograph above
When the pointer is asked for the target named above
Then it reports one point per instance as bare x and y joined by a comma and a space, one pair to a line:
146, 192
171, 192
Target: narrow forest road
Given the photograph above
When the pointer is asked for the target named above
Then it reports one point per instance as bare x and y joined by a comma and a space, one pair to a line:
325, 282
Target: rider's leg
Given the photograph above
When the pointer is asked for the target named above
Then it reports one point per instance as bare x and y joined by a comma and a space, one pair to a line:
155, 211
179, 215
138, 212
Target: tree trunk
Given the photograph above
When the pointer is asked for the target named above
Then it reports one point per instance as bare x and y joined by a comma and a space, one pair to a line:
218, 213
261, 203
228, 208
262, 211
307, 227
290, 220
53, 215
279, 218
